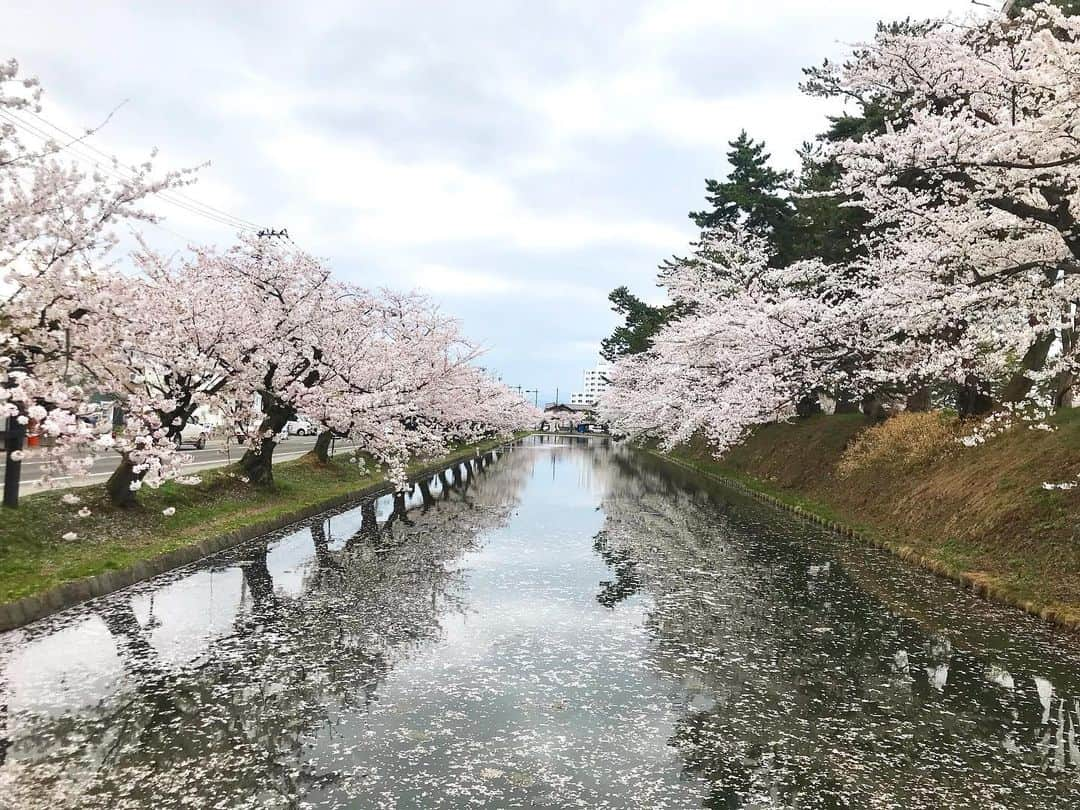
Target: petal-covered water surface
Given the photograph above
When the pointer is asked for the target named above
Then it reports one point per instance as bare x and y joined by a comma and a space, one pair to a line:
564, 623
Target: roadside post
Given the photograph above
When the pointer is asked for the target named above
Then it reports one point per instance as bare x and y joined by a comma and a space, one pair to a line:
14, 438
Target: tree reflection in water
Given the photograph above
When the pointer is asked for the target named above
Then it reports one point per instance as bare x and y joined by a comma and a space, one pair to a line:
235, 726
802, 690
680, 647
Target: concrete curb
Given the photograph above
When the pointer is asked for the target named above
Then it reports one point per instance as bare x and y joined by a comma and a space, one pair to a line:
68, 594
906, 553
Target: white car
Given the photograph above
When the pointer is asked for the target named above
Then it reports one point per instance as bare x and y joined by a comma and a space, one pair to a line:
194, 434
300, 427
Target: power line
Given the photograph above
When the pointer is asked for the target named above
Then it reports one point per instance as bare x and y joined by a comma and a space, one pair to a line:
118, 171
187, 198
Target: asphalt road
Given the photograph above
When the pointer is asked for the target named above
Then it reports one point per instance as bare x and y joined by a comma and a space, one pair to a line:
214, 455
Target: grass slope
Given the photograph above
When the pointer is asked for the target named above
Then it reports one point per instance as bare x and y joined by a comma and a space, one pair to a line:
34, 557
978, 511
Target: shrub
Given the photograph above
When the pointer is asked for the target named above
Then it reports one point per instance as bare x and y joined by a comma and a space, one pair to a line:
904, 440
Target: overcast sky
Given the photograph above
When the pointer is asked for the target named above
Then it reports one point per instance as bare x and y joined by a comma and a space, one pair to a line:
516, 160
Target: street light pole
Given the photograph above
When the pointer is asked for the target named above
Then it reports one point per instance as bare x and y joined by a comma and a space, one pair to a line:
13, 443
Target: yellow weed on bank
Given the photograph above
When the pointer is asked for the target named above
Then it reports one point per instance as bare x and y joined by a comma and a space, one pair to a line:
980, 511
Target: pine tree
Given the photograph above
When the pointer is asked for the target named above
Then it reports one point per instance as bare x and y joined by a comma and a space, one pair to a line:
824, 225
828, 226
641, 322
754, 194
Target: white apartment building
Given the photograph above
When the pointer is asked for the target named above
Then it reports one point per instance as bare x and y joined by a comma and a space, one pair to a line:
594, 383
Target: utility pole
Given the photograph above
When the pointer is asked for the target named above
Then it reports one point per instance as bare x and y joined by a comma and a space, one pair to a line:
536, 396
13, 443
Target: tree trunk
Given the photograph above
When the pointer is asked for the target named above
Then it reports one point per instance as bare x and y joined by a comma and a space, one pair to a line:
845, 403
1063, 389
1064, 384
972, 399
873, 407
918, 400
1019, 386
258, 462
808, 405
322, 447
119, 484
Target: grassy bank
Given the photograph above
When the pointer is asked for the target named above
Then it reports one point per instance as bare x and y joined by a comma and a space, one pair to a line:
981, 513
34, 556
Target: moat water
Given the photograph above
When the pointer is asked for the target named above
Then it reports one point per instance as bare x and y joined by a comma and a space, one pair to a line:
561, 624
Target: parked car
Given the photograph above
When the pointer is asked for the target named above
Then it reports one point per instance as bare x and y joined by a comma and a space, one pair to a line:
96, 421
300, 427
194, 434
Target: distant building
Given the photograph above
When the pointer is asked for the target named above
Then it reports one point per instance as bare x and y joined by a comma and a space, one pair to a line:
560, 416
595, 381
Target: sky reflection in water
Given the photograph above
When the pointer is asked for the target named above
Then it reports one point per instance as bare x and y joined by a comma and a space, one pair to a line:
566, 625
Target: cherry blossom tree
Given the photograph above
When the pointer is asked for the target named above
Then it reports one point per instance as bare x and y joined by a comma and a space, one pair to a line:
973, 187
260, 332
284, 298
177, 349
387, 353
401, 384
969, 271
753, 340
265, 323
57, 302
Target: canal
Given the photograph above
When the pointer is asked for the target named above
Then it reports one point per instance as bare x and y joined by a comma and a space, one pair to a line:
564, 623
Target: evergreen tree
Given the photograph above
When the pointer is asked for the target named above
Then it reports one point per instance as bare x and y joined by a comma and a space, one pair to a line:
828, 226
641, 322
754, 195
824, 225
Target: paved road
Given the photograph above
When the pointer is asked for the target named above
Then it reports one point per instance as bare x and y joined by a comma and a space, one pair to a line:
214, 455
